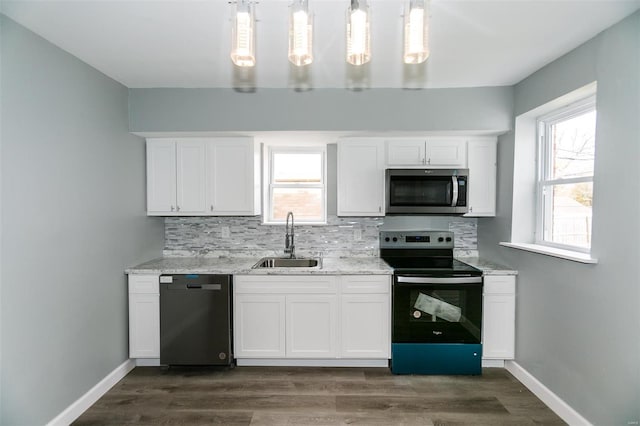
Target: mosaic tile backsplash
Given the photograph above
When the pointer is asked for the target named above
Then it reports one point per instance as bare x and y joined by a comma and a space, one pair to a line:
247, 236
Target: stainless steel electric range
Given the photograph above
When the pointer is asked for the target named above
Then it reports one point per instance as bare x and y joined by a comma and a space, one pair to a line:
437, 305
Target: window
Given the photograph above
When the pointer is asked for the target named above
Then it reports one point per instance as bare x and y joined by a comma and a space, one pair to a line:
565, 176
295, 183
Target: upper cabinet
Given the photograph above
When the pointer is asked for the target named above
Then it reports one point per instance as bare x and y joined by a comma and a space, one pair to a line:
233, 178
430, 152
202, 176
482, 153
361, 177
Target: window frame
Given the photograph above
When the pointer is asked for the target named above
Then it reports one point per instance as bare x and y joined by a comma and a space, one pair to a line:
544, 182
269, 185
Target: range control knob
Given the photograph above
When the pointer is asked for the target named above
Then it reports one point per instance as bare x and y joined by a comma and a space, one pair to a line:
448, 239
387, 239
395, 239
440, 239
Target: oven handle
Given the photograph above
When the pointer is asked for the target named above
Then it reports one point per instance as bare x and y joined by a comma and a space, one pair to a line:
430, 280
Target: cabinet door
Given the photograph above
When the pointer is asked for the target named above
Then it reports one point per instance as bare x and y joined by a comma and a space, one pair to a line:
232, 187
144, 325
311, 326
190, 176
449, 152
259, 326
482, 177
360, 178
498, 317
410, 152
365, 326
161, 176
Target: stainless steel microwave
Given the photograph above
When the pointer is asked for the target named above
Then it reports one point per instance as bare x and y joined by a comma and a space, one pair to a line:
427, 191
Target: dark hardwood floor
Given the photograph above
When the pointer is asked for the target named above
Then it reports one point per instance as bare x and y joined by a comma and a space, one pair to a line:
315, 396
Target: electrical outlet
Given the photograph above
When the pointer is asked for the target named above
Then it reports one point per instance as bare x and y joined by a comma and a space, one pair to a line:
226, 233
357, 234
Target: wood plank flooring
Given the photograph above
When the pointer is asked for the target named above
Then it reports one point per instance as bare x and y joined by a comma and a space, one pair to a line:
315, 396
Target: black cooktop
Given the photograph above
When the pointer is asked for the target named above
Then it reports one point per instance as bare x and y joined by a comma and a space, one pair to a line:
426, 253
431, 266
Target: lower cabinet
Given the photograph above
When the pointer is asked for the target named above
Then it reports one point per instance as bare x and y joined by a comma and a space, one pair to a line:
144, 316
365, 316
499, 314
259, 321
312, 316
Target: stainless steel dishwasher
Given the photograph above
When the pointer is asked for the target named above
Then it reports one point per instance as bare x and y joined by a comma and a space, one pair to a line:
195, 319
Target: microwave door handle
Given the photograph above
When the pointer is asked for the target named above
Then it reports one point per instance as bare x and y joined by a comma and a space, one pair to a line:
454, 197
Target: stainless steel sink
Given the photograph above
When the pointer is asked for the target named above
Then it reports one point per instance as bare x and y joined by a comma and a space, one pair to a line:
285, 262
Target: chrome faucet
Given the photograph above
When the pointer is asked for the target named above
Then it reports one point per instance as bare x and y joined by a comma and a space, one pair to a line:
289, 244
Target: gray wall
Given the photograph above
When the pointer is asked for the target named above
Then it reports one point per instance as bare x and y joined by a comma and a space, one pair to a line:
578, 325
197, 110
73, 218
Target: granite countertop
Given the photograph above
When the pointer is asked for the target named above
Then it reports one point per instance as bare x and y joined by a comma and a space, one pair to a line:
488, 267
242, 266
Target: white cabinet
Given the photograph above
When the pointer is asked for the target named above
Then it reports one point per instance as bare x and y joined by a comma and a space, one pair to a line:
365, 316
233, 178
144, 316
361, 177
285, 316
175, 177
498, 317
482, 154
311, 326
259, 324
202, 176
431, 152
312, 316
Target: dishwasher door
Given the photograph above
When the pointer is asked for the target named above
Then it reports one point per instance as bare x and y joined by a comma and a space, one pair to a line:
195, 319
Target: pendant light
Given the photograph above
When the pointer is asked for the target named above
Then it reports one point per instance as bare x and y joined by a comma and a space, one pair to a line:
243, 37
358, 39
416, 29
300, 33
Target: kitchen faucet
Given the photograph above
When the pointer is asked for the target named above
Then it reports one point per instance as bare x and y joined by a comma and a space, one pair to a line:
289, 244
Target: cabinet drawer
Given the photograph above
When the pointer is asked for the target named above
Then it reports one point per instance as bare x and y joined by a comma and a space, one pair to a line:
505, 284
144, 284
298, 284
366, 284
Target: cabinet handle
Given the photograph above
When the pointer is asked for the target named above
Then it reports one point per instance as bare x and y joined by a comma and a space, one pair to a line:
429, 161
379, 209
211, 207
470, 209
171, 208
177, 208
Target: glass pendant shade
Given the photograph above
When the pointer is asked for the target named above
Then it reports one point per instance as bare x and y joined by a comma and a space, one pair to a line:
358, 38
243, 37
416, 29
300, 34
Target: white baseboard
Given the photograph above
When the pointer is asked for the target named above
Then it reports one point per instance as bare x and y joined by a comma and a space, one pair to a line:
300, 362
553, 401
75, 410
147, 362
493, 363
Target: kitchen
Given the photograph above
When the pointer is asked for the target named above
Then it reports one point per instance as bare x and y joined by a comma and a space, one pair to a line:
74, 210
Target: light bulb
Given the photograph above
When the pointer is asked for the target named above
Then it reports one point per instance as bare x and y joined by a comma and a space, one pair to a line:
358, 37
416, 49
300, 34
243, 37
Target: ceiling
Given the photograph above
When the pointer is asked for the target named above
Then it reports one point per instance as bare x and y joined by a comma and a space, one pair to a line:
160, 43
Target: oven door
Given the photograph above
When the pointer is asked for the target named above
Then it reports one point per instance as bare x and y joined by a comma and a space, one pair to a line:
437, 309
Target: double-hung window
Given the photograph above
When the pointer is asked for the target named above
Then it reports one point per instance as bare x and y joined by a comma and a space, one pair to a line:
295, 182
565, 176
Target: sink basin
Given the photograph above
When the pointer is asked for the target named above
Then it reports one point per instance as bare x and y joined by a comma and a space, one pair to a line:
285, 262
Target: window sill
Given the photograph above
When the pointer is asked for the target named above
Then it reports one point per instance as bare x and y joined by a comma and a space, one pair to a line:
574, 256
